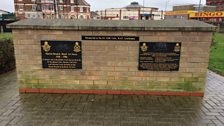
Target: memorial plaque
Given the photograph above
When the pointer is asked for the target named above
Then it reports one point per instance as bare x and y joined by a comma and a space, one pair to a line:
111, 38
159, 56
61, 54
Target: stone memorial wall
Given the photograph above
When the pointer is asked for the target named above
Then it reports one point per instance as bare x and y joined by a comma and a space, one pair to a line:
112, 57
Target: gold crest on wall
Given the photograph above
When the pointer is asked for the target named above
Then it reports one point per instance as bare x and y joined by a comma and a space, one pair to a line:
46, 47
77, 47
177, 48
144, 47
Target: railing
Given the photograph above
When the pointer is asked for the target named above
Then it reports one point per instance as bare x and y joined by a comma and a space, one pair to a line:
3, 24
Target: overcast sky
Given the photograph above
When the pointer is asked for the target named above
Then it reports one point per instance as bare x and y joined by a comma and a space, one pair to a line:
8, 5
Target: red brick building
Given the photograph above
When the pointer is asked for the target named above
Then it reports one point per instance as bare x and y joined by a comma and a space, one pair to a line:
68, 9
218, 3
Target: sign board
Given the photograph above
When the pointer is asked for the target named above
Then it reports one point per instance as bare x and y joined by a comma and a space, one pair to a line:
61, 54
178, 12
111, 38
207, 14
159, 56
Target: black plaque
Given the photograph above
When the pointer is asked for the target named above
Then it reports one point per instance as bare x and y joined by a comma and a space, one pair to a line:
159, 56
111, 38
61, 54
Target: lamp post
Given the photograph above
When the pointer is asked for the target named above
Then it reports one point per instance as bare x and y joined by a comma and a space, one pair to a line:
77, 8
64, 1
167, 1
199, 8
56, 9
143, 11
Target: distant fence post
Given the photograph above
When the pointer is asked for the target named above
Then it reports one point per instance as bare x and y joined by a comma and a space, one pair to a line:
1, 29
218, 28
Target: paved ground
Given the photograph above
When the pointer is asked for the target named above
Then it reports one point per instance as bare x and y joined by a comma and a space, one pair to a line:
110, 110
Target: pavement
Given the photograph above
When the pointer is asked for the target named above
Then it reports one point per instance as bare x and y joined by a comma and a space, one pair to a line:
110, 110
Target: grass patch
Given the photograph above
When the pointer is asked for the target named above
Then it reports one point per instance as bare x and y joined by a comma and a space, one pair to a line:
216, 60
6, 37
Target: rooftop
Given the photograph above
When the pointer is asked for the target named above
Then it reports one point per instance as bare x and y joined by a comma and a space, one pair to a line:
82, 2
134, 5
93, 14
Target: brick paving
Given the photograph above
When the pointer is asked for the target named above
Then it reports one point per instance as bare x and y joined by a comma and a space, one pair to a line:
110, 110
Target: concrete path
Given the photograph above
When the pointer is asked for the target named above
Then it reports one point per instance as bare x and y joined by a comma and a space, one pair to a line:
110, 110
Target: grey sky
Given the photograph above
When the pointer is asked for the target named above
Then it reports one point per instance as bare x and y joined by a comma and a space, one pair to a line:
102, 4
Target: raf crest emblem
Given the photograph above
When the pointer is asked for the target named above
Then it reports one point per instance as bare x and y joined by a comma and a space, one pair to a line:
144, 47
177, 48
77, 47
46, 47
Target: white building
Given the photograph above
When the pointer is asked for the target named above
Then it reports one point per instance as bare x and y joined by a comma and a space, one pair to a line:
134, 11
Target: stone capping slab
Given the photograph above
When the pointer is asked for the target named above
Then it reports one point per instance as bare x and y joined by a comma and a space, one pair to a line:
111, 25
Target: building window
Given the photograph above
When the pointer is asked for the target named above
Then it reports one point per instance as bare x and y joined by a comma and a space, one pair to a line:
61, 7
34, 7
72, 17
20, 7
125, 17
81, 17
81, 9
72, 1
72, 8
51, 7
38, 7
43, 7
47, 7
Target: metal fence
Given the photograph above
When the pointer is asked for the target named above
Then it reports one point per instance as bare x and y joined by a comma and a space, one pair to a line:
3, 28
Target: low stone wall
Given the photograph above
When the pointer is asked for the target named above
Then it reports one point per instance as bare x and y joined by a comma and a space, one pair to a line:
7, 58
112, 66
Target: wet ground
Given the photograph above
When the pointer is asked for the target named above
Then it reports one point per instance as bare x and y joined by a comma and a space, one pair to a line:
110, 110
